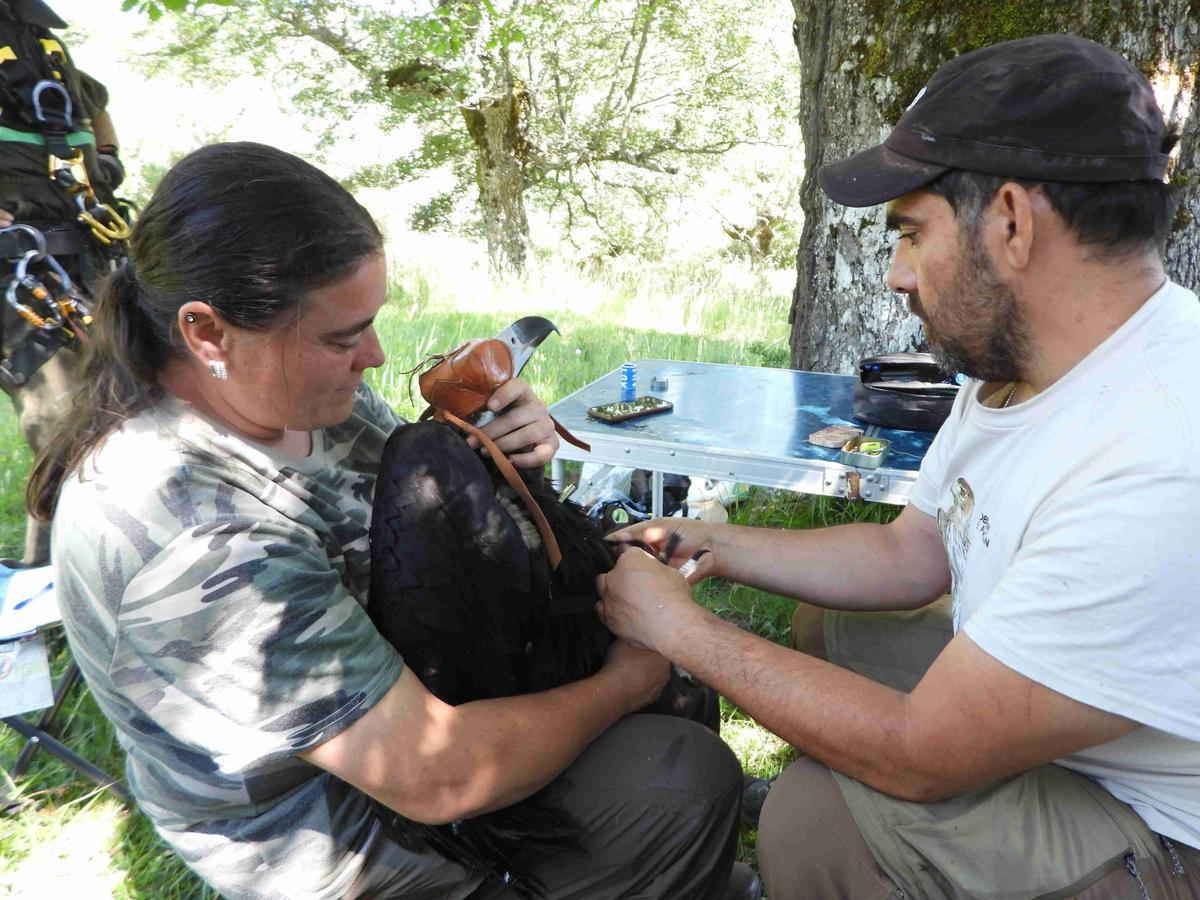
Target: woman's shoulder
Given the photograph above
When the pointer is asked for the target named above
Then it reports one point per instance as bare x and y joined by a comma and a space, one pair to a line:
150, 481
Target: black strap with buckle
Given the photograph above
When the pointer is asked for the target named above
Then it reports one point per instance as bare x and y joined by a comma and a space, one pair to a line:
59, 241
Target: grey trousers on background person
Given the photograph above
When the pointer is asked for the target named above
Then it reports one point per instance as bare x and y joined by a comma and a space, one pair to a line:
658, 799
1047, 833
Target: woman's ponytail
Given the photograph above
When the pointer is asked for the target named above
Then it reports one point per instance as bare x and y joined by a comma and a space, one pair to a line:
245, 228
114, 381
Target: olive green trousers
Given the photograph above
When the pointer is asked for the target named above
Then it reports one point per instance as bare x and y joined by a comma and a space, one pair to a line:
1046, 833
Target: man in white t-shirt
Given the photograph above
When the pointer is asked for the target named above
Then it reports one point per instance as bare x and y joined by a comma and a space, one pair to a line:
1042, 737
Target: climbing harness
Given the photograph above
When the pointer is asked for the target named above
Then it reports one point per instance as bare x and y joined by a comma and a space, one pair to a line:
66, 165
62, 195
55, 313
41, 90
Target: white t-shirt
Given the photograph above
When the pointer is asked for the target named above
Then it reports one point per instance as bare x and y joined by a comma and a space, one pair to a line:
1072, 525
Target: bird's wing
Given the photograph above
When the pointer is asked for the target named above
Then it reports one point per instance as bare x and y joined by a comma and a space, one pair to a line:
450, 572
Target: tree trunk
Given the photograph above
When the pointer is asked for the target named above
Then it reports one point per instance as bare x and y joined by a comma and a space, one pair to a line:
862, 61
496, 123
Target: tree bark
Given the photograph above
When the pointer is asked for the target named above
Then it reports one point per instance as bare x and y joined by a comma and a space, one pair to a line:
862, 61
496, 123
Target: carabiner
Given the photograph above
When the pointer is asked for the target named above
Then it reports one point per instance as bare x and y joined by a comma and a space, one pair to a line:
116, 229
63, 278
70, 172
21, 270
25, 311
54, 87
39, 239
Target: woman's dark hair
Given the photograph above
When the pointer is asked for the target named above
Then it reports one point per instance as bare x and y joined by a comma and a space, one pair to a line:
1115, 217
247, 229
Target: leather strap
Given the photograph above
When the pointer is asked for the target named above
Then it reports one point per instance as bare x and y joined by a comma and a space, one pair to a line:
462, 380
570, 438
514, 481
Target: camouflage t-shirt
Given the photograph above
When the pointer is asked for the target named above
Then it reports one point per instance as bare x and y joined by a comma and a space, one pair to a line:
213, 592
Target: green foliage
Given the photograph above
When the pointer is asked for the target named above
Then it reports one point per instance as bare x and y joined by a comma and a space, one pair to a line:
435, 213
12, 483
55, 800
774, 355
623, 104
154, 9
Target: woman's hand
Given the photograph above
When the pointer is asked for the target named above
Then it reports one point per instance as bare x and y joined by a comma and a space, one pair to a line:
685, 538
522, 428
643, 672
645, 602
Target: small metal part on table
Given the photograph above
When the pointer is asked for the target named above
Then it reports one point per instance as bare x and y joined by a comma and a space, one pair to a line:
658, 384
853, 455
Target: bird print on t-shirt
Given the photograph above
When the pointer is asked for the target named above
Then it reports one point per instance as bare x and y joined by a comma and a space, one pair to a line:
954, 524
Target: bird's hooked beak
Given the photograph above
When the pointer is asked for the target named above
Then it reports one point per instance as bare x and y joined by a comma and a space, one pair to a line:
523, 336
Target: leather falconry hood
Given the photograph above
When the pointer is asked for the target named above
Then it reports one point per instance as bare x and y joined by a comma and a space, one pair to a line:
457, 387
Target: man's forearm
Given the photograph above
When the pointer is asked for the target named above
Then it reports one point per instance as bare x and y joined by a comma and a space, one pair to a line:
104, 130
859, 566
850, 723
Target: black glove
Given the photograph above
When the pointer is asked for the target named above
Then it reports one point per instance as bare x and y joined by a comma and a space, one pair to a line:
110, 164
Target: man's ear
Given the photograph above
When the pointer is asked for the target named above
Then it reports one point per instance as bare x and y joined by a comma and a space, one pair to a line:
1010, 226
206, 334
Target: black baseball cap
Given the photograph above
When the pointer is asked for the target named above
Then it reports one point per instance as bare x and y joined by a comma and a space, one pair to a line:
1055, 107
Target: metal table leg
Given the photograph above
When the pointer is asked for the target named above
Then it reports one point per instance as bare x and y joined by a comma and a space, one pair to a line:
70, 757
69, 677
38, 738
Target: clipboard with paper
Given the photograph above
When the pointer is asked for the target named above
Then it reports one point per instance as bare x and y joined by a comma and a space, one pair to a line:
27, 603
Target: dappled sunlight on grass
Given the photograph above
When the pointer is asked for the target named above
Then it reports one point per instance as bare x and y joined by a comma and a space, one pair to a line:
658, 312
63, 852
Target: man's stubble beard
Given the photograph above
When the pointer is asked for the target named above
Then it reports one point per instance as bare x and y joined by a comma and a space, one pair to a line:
980, 331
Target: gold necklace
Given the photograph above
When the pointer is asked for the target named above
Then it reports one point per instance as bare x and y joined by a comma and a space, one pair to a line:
1011, 394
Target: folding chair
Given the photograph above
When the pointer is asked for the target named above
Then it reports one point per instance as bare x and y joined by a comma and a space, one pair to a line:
37, 736
40, 616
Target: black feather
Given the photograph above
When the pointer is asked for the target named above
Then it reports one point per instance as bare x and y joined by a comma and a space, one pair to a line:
475, 612
462, 587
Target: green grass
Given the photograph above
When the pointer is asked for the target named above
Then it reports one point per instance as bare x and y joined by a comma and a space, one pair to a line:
12, 482
69, 839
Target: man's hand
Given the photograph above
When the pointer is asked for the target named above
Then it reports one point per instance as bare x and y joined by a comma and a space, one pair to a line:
643, 601
643, 672
690, 536
522, 427
6, 218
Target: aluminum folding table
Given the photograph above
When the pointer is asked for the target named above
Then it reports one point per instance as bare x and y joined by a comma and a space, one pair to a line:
739, 423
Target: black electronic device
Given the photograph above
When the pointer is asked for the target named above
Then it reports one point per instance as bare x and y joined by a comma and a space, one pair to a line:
904, 390
623, 410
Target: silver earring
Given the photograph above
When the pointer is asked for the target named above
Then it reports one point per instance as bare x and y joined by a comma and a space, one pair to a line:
219, 370
190, 318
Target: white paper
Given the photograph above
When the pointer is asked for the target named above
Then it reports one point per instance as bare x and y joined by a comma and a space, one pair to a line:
27, 602
24, 677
